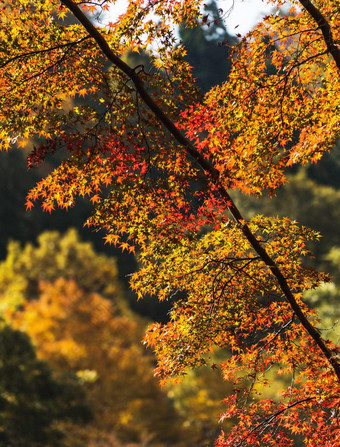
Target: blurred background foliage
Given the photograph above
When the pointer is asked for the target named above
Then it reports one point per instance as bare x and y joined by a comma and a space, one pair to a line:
73, 371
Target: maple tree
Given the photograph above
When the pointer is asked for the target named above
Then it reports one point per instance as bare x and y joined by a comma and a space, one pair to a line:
158, 160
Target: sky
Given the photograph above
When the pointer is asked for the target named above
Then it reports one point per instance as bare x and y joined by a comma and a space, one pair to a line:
243, 15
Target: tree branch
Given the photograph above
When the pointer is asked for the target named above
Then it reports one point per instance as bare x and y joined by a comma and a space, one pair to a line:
46, 50
211, 172
325, 28
265, 423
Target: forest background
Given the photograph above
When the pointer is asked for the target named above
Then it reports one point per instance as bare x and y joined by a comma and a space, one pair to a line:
79, 377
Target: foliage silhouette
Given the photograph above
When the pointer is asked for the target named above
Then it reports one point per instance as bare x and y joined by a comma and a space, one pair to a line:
33, 403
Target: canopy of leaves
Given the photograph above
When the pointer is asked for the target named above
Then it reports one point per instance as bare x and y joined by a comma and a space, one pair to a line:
157, 160
80, 332
72, 307
56, 256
